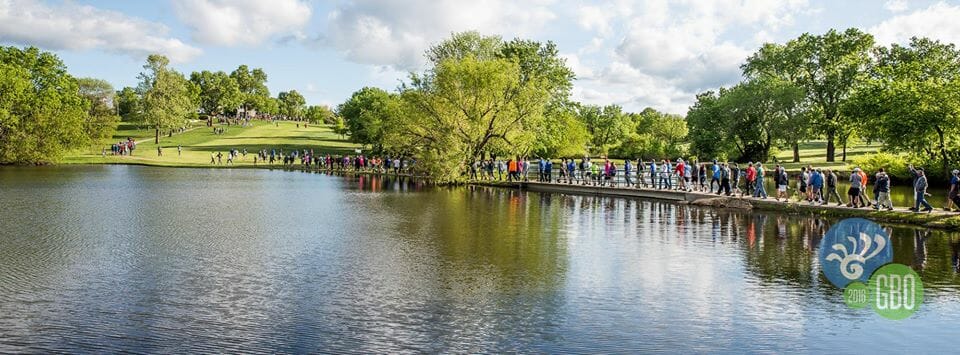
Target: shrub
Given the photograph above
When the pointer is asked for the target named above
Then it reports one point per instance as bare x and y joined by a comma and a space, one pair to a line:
895, 165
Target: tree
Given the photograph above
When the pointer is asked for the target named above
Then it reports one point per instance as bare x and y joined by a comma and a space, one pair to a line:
657, 135
562, 133
608, 126
828, 68
291, 103
320, 114
253, 87
364, 113
102, 118
747, 120
42, 114
128, 104
461, 108
167, 97
912, 100
219, 92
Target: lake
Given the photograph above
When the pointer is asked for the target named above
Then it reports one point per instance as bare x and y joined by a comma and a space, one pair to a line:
160, 260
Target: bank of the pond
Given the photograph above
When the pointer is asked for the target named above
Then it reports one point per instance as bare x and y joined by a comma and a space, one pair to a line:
900, 215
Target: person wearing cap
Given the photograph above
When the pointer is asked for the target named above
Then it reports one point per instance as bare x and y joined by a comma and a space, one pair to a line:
920, 189
953, 197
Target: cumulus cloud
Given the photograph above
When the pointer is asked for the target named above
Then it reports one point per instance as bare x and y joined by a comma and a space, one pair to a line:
79, 27
896, 5
242, 22
667, 51
939, 21
397, 33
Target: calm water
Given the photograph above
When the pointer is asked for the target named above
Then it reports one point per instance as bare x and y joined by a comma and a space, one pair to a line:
123, 258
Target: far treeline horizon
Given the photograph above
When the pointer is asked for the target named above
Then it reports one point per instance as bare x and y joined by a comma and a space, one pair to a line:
484, 96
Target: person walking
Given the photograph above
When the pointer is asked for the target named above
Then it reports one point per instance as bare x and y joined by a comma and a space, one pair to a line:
760, 189
179, 150
953, 196
881, 186
626, 172
735, 178
751, 178
782, 180
831, 183
816, 187
159, 151
802, 185
920, 190
854, 191
724, 180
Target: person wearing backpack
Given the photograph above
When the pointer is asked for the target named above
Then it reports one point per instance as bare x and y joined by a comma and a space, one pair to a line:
724, 179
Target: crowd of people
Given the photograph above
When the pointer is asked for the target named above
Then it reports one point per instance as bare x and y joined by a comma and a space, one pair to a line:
308, 159
812, 185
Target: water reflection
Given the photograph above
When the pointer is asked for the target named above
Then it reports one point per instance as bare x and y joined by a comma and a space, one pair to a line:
108, 259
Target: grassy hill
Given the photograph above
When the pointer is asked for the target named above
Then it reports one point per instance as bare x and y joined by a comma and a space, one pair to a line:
199, 141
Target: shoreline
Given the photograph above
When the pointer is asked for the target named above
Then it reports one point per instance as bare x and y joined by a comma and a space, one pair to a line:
936, 219
948, 221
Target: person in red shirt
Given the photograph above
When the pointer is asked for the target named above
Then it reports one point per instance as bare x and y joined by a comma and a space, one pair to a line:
751, 178
679, 171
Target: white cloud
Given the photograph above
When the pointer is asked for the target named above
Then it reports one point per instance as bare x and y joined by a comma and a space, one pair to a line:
397, 33
939, 21
242, 22
896, 5
79, 27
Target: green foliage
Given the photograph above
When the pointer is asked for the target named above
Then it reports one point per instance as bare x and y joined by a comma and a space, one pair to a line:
895, 165
128, 104
562, 133
253, 88
42, 114
167, 98
102, 119
364, 113
219, 92
827, 67
912, 101
608, 126
291, 104
320, 114
657, 136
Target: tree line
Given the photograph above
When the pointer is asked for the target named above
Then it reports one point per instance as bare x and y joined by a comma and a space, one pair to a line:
45, 112
484, 97
841, 87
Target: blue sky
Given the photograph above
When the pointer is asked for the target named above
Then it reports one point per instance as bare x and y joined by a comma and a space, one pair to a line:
636, 53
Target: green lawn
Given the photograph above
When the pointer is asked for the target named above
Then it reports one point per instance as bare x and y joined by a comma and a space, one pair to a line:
200, 141
815, 153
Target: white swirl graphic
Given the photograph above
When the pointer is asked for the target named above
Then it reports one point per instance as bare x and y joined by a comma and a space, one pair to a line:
851, 265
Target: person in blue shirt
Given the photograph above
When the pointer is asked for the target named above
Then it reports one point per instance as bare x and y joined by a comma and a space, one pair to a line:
816, 183
653, 173
716, 176
626, 172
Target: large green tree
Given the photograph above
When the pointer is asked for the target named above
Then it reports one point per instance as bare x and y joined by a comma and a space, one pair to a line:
828, 67
608, 125
364, 113
167, 98
219, 92
253, 87
461, 108
42, 114
320, 114
128, 104
292, 104
912, 101
657, 135
102, 118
